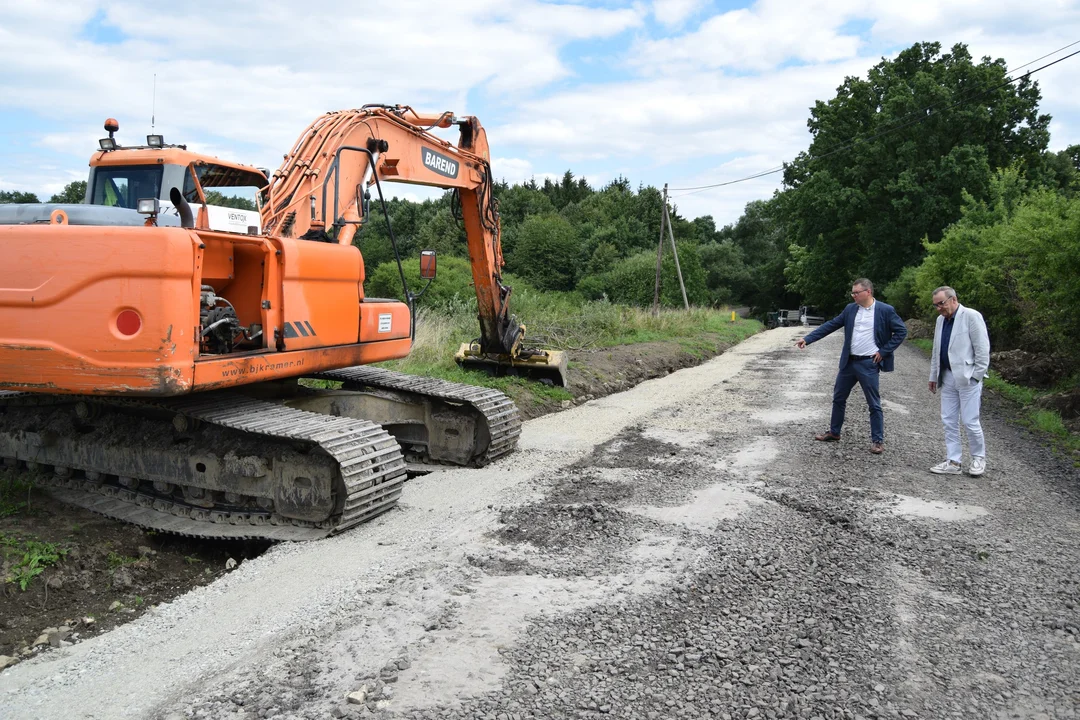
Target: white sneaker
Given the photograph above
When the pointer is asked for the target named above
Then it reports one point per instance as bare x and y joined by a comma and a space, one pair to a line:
978, 466
946, 468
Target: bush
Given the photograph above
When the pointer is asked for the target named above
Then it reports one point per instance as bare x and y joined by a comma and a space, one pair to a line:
727, 277
1018, 263
900, 293
633, 280
547, 253
593, 287
451, 288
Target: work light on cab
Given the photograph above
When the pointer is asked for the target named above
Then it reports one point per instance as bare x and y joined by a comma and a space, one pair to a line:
149, 206
109, 143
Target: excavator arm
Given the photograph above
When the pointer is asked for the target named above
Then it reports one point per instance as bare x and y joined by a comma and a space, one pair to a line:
318, 194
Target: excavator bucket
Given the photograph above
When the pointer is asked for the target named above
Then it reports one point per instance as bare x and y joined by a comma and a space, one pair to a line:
548, 366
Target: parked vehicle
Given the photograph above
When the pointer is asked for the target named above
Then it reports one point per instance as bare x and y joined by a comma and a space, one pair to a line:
809, 316
787, 318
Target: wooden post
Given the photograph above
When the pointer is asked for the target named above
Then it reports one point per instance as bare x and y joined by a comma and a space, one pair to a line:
678, 270
659, 254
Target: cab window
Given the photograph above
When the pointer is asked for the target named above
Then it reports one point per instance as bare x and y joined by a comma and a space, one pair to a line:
224, 185
124, 186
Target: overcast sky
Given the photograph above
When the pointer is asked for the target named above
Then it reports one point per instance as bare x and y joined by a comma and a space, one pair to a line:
684, 92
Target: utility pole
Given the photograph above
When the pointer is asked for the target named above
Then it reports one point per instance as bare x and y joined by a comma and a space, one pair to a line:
659, 254
675, 252
665, 219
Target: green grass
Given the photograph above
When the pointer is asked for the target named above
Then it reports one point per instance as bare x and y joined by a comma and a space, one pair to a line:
116, 560
15, 491
927, 346
1049, 421
560, 321
1017, 393
33, 557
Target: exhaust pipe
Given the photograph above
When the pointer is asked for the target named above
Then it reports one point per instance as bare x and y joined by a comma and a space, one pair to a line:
187, 220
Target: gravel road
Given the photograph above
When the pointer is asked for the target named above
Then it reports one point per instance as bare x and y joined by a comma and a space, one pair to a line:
680, 550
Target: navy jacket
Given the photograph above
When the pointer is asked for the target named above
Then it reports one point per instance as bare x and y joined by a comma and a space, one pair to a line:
889, 332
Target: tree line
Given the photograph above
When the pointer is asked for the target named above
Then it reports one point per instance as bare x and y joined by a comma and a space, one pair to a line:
931, 170
564, 235
73, 192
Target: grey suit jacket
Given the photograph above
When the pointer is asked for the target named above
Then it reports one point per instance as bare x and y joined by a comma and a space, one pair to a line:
969, 347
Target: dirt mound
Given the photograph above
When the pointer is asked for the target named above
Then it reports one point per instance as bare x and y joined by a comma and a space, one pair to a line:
919, 329
66, 573
1066, 403
604, 371
1026, 368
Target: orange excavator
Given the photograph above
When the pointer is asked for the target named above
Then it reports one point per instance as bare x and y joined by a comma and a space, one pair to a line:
152, 344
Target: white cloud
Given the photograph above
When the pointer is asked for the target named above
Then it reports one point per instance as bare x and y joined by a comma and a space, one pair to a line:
667, 120
762, 37
924, 19
730, 93
72, 143
674, 12
265, 75
512, 170
726, 203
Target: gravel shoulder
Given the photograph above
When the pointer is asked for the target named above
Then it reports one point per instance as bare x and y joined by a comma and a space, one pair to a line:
681, 549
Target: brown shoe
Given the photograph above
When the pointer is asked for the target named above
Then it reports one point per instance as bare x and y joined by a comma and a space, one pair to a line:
877, 448
827, 436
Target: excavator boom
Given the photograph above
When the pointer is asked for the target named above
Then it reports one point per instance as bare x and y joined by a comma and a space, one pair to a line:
318, 193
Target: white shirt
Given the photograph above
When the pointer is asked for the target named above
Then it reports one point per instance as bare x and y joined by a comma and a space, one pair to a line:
862, 335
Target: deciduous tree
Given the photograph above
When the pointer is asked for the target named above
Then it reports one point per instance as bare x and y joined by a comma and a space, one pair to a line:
75, 192
892, 155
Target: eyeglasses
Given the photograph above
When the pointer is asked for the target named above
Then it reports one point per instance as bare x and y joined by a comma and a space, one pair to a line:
943, 303
857, 293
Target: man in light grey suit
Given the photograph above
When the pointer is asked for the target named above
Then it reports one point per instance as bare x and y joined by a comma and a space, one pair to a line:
959, 362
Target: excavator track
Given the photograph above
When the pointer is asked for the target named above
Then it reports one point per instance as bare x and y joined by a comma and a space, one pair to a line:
497, 432
134, 460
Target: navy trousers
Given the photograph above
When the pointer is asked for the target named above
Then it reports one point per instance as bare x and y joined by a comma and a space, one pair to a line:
865, 372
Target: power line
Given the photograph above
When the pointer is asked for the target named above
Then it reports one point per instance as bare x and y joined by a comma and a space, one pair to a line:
926, 112
923, 114
701, 188
1010, 72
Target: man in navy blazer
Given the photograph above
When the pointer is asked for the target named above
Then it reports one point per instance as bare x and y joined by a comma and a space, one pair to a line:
872, 331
